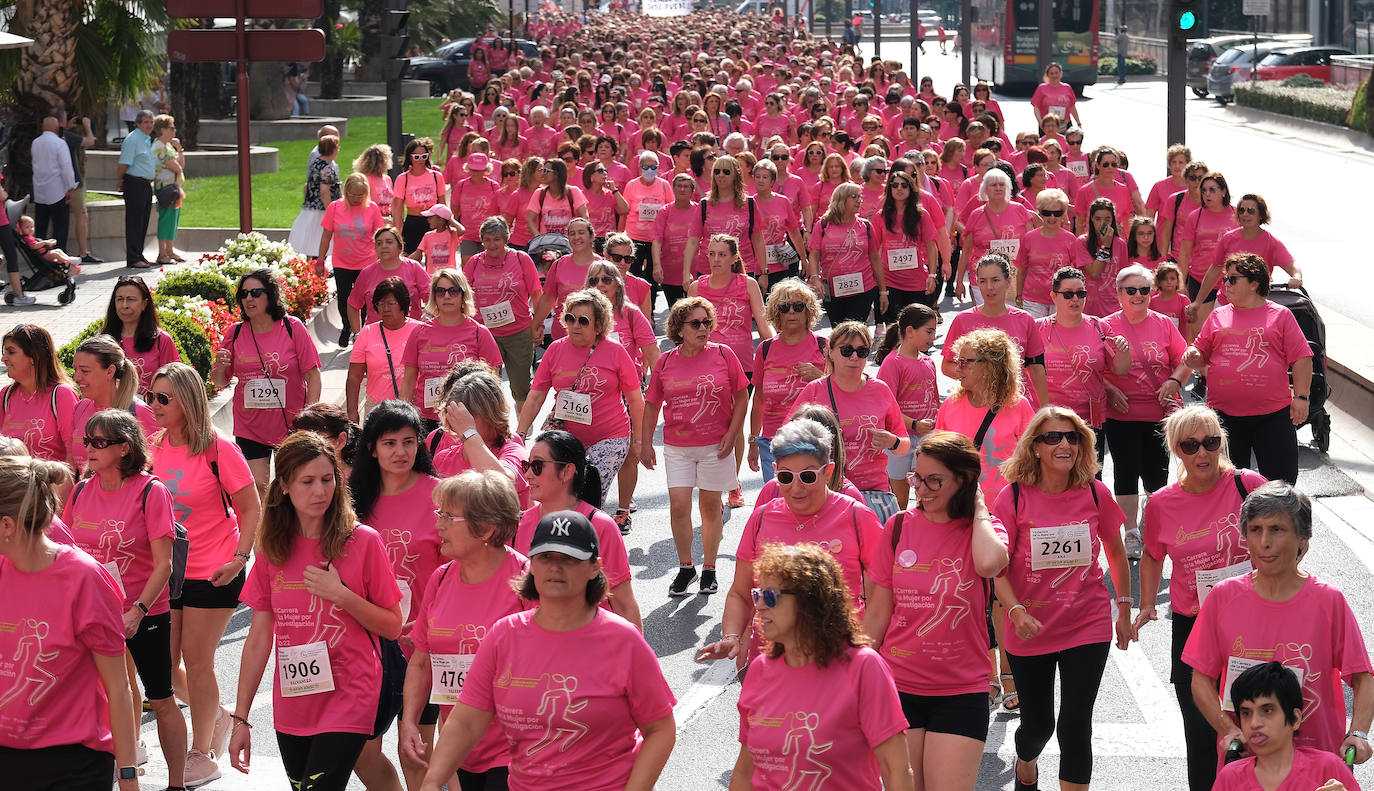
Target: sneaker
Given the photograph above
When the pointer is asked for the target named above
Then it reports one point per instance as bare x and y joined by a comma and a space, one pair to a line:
737, 497
141, 754
1134, 544
622, 521
686, 575
708, 584
219, 739
200, 769
27, 299
91, 259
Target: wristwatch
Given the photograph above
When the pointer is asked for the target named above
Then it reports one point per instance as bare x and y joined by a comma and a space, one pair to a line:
128, 773
1359, 734
469, 434
142, 607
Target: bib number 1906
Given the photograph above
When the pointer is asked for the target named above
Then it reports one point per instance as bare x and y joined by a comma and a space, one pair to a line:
304, 669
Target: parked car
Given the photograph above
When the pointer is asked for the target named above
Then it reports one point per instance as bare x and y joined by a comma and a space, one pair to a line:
1313, 61
447, 68
1235, 65
1202, 53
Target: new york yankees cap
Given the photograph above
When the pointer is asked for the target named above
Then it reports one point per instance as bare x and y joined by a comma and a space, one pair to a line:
567, 533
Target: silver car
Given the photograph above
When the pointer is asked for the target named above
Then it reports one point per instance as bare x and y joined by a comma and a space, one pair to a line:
1235, 65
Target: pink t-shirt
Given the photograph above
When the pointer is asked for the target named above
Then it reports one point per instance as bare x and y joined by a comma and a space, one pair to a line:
646, 202
568, 702
983, 226
379, 192
434, 349
406, 523
1118, 192
62, 616
43, 421
454, 620
739, 223
1315, 632
734, 315
614, 558
119, 527
895, 249
1172, 307
278, 355
936, 643
636, 290
1156, 350
775, 373
1076, 358
1102, 296
414, 276
1016, 323
450, 461
1069, 600
564, 277
776, 217
698, 394
634, 332
913, 384
1266, 246
300, 619
439, 248
1311, 769
1175, 210
1161, 192
352, 227
844, 249
474, 203
513, 279
792, 733
379, 350
85, 409
999, 443
554, 214
1204, 228
1198, 532
601, 211
164, 351
604, 372
672, 228
512, 206
1248, 354
861, 413
843, 526
1040, 257
419, 192
543, 140
200, 499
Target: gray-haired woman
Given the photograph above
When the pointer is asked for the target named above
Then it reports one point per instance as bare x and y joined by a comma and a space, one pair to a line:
504, 284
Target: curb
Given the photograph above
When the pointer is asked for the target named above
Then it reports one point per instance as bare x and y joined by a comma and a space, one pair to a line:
1357, 142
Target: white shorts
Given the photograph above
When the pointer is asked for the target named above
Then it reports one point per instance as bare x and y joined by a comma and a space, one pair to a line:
698, 468
1037, 309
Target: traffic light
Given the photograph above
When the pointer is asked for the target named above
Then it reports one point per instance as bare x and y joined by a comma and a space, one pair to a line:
1185, 16
395, 39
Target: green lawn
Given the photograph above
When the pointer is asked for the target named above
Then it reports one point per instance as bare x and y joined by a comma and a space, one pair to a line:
214, 201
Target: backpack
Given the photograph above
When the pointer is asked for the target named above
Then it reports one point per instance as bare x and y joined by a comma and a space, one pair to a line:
763, 347
9, 389
748, 202
181, 545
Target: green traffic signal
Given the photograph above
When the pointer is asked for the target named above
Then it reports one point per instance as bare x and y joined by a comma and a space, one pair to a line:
1187, 20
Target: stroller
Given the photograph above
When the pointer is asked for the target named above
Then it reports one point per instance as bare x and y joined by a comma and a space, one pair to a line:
547, 248
39, 274
1304, 310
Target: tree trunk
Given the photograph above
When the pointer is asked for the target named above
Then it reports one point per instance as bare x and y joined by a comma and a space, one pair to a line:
370, 23
184, 86
330, 70
47, 75
267, 91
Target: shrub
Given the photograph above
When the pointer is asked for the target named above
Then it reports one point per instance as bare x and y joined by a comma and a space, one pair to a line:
1302, 81
1325, 104
198, 283
190, 341
1106, 66
1361, 119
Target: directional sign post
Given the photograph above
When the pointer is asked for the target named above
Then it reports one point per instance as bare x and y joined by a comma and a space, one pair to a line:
242, 46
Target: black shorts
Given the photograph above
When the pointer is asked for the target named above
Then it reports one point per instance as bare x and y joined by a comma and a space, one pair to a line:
1194, 286
252, 449
66, 767
429, 715
151, 648
961, 715
204, 596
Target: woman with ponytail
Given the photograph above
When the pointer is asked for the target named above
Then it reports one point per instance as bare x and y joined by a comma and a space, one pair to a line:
561, 479
910, 373
36, 408
108, 380
75, 640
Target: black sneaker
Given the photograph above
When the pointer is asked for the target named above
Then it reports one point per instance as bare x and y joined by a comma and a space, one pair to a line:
708, 584
345, 337
686, 575
91, 259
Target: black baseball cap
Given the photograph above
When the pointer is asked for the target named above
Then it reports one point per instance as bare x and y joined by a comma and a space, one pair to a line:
567, 533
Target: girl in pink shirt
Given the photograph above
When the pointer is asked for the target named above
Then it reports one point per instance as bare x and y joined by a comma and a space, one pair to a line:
1142, 245
107, 380
565, 275
132, 320
993, 275
436, 346
1199, 240
853, 735
36, 408
996, 226
726, 210
1059, 522
376, 355
905, 365
348, 225
440, 244
504, 284
1042, 252
1252, 212
605, 204
325, 597
673, 228
932, 578
737, 299
62, 652
1100, 254
387, 244
781, 220
421, 185
554, 205
844, 260
905, 236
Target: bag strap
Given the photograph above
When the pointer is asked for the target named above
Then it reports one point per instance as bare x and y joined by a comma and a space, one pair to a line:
983, 428
1173, 226
434, 442
1240, 485
896, 532
830, 388
395, 389
214, 470
858, 536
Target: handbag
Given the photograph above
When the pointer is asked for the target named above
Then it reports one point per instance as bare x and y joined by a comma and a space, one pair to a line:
168, 196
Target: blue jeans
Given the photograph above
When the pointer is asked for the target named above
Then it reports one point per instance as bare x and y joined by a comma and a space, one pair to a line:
766, 459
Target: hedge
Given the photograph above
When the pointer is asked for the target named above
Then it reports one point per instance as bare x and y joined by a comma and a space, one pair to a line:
201, 284
190, 342
1326, 104
1361, 118
1106, 66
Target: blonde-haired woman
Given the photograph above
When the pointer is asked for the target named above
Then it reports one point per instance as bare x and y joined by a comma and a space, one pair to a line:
348, 225
323, 594
1057, 607
374, 163
783, 365
215, 498
453, 335
108, 380
727, 210
844, 259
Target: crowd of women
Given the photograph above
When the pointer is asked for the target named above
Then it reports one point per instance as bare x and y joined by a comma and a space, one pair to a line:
425, 554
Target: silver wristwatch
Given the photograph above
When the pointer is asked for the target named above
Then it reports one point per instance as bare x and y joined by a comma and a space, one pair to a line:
469, 434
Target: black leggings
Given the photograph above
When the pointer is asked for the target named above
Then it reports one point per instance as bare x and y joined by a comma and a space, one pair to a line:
67, 767
1138, 454
643, 267
1080, 673
413, 231
898, 299
1271, 437
1198, 735
323, 762
496, 778
343, 282
9, 247
855, 307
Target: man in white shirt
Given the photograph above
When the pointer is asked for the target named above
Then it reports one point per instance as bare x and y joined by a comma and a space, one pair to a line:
53, 182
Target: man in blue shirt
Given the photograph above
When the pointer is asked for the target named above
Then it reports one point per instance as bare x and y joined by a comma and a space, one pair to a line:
135, 180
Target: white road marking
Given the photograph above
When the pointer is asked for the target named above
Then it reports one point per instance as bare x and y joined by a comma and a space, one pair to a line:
717, 677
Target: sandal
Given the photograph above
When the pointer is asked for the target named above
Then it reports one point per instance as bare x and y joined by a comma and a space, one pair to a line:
994, 696
1011, 700
1033, 785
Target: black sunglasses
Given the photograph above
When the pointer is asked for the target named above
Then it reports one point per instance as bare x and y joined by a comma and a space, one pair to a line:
100, 443
603, 280
850, 351
255, 293
570, 319
791, 307
1079, 294
1231, 280
697, 324
1051, 212
1134, 290
620, 258
161, 398
1055, 437
1189, 446
808, 477
779, 157
722, 172
536, 466
448, 291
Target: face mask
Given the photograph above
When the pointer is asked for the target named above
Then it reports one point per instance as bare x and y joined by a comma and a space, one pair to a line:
648, 174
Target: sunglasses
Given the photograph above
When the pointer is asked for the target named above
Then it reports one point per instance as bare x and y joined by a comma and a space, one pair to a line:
621, 258
255, 293
850, 351
418, 157
1134, 290
1247, 210
931, 482
722, 172
1079, 294
1192, 178
1231, 280
1053, 438
808, 477
100, 443
768, 596
536, 466
779, 157
448, 291
792, 307
569, 319
1189, 446
127, 280
883, 171
899, 185
603, 280
697, 324
1052, 212
161, 398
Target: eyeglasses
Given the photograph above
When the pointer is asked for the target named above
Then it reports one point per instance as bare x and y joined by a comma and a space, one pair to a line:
1052, 212
779, 157
444, 516
448, 291
255, 293
768, 596
722, 172
620, 258
536, 466
602, 171
697, 324
1074, 142
1231, 280
964, 362
1247, 210
1053, 438
603, 280
808, 477
1079, 294
1189, 446
869, 128
850, 351
792, 307
419, 157
101, 443
161, 398
931, 482
570, 320
1134, 290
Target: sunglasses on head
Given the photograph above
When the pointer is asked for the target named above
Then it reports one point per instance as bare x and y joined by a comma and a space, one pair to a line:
1079, 294
603, 280
448, 291
697, 324
127, 280
792, 307
100, 443
808, 477
1056, 437
255, 293
1134, 290
768, 596
850, 351
1189, 446
536, 466
570, 320
1052, 212
621, 258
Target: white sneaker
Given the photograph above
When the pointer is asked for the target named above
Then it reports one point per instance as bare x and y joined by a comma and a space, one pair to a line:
27, 299
141, 755
219, 740
200, 769
1135, 545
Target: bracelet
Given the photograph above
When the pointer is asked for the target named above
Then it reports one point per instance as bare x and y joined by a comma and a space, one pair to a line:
733, 637
241, 721
895, 442
143, 608
1125, 600
1176, 380
1302, 398
242, 556
1016, 607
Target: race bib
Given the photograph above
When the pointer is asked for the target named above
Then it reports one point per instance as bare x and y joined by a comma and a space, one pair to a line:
432, 386
1235, 665
848, 285
902, 259
573, 406
263, 393
304, 669
1007, 247
1079, 168
1061, 546
113, 568
1059, 110
406, 598
447, 672
498, 315
648, 211
489, 124
1207, 579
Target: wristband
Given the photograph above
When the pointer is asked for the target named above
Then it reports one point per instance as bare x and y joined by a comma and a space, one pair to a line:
1125, 600
1302, 398
241, 721
141, 606
1176, 380
1016, 607
895, 442
242, 556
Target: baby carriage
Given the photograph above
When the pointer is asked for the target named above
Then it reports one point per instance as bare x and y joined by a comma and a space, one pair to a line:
1314, 329
40, 274
547, 248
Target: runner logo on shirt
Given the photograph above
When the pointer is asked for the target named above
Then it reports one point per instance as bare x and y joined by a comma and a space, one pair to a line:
590, 382
808, 773
113, 547
708, 394
329, 627
1254, 350
26, 661
949, 584
398, 549
557, 707
868, 427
